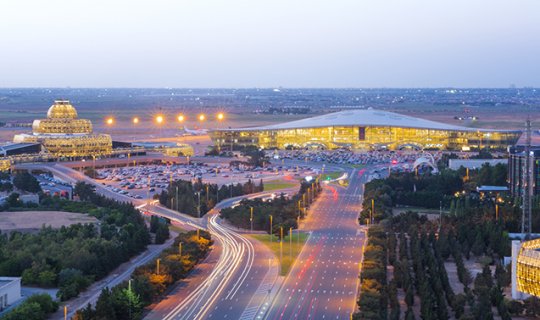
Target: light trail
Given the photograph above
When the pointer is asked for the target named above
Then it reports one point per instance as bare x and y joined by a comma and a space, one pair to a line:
234, 249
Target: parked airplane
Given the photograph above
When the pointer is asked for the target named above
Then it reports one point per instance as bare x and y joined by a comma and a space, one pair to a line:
195, 132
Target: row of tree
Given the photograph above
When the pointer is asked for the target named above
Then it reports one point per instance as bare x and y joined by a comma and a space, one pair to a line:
284, 211
149, 282
36, 307
72, 257
427, 190
196, 199
373, 300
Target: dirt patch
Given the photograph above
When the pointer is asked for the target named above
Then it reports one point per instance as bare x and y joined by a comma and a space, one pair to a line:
32, 221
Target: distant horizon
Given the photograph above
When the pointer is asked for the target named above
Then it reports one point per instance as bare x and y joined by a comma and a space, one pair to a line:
285, 88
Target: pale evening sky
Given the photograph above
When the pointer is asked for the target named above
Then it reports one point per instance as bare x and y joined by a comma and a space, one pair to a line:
270, 43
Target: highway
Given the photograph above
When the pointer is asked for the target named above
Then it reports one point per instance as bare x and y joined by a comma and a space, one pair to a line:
323, 282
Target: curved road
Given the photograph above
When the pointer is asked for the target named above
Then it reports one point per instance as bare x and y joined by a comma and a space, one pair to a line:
231, 281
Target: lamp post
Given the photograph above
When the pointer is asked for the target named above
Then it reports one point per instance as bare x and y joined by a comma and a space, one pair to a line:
177, 198
271, 229
372, 211
199, 206
157, 266
281, 245
496, 211
290, 242
298, 228
180, 249
251, 218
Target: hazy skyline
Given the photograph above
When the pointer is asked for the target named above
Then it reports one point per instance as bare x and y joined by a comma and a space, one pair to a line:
392, 43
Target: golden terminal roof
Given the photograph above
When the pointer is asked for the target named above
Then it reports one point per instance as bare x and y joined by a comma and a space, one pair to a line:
62, 109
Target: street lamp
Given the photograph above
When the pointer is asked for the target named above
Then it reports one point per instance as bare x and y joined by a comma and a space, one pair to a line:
201, 117
270, 228
251, 218
135, 120
181, 118
157, 265
160, 119
372, 211
109, 121
199, 206
220, 116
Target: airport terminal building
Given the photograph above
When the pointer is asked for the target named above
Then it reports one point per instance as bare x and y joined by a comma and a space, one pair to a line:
64, 134
365, 129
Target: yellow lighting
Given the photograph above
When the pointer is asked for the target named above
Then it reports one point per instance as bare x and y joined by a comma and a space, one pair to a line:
220, 116
202, 117
135, 120
181, 118
110, 121
160, 119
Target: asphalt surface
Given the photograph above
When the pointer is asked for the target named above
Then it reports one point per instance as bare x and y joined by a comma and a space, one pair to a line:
323, 282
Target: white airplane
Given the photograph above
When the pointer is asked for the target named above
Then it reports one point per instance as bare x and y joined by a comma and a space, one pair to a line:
195, 132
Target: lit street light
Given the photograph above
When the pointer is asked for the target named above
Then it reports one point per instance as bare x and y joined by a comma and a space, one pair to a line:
270, 228
109, 121
135, 120
160, 119
220, 116
157, 266
181, 118
202, 117
251, 218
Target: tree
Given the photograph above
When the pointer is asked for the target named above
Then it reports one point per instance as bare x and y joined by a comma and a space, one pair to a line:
162, 233
84, 190
26, 182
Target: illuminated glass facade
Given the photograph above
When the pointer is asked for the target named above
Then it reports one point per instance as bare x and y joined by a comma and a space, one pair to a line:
516, 161
365, 137
528, 268
5, 165
62, 134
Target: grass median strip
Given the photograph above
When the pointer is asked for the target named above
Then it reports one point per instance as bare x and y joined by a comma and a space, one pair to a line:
289, 252
276, 185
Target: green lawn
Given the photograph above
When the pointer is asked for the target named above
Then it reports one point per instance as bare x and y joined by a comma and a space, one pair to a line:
358, 166
276, 185
288, 260
331, 175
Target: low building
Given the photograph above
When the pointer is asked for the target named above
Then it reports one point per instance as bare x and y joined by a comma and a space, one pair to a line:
181, 150
473, 164
15, 149
10, 291
516, 161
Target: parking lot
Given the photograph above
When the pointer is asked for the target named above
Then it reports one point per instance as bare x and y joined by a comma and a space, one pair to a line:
140, 182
